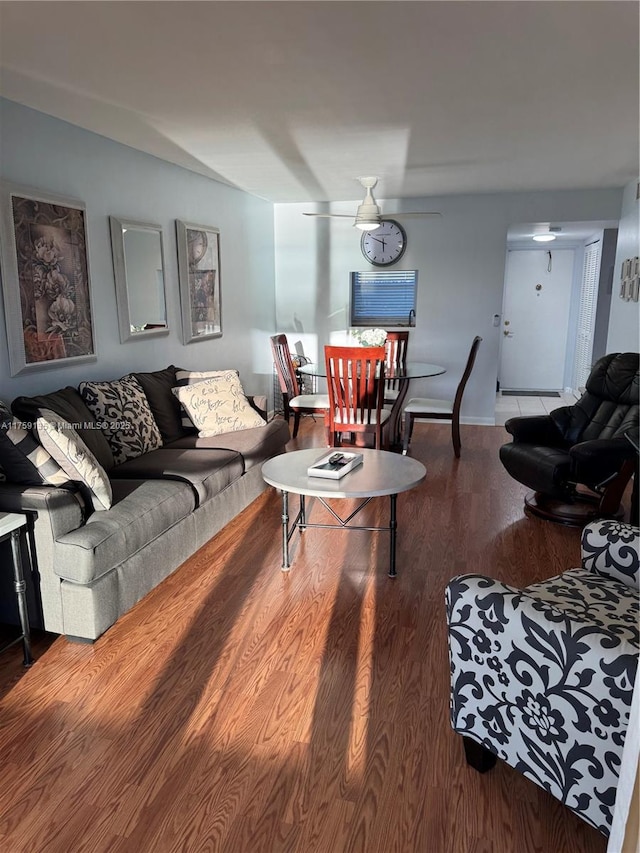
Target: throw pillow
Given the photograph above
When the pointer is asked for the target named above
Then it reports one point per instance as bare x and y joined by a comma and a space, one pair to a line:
124, 415
218, 405
74, 458
190, 377
23, 459
167, 411
70, 407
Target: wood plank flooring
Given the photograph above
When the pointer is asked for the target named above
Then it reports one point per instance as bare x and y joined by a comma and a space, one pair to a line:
244, 710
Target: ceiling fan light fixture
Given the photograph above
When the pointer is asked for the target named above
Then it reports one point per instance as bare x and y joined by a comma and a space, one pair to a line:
544, 238
368, 213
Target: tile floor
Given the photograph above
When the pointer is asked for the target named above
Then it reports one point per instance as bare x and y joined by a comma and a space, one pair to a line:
511, 407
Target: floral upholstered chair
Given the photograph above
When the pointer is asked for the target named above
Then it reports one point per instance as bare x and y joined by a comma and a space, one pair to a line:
543, 677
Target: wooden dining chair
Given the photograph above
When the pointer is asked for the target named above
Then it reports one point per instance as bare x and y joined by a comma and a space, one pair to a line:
449, 410
292, 399
395, 357
355, 381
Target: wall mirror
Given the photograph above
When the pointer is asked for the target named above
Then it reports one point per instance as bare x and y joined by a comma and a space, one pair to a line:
138, 264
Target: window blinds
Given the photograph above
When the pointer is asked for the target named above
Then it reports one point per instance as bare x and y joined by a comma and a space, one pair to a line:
383, 298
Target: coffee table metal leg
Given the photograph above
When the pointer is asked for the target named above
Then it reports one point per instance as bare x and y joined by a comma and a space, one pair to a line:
393, 526
303, 514
20, 587
285, 532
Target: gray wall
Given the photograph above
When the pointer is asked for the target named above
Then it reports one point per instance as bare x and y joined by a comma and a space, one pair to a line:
624, 318
112, 179
460, 259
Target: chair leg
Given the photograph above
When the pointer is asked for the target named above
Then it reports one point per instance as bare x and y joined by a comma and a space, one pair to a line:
408, 428
478, 757
296, 423
455, 436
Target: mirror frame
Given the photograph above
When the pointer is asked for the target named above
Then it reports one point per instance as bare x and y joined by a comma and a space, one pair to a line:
116, 225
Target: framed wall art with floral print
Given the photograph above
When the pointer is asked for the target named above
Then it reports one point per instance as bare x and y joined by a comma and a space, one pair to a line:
199, 274
45, 280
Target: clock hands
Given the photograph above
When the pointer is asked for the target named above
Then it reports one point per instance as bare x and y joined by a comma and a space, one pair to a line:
392, 242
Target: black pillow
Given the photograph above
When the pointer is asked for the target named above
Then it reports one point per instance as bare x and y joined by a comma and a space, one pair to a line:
69, 405
163, 404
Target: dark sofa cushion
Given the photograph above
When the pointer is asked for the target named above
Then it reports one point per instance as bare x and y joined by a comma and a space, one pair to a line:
208, 471
255, 444
164, 405
69, 405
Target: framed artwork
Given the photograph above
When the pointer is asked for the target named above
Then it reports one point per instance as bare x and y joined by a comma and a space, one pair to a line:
630, 279
45, 280
199, 274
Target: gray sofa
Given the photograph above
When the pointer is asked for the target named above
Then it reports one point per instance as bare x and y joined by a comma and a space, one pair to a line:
92, 567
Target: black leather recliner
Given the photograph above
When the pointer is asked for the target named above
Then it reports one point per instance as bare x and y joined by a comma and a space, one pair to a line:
588, 444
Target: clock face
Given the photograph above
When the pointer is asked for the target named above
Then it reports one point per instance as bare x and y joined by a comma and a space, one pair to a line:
385, 245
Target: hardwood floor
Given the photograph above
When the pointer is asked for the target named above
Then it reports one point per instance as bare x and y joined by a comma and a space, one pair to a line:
241, 709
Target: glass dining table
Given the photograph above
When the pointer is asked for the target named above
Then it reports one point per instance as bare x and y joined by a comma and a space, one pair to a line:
400, 377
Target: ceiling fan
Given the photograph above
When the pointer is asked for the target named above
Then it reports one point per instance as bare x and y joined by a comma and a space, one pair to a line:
368, 215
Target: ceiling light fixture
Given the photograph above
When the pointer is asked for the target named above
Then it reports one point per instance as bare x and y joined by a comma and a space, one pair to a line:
367, 224
368, 213
544, 238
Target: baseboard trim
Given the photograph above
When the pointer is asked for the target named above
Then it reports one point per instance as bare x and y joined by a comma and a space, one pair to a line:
478, 421
469, 421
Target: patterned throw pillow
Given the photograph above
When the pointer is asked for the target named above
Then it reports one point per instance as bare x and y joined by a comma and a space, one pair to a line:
74, 458
218, 405
124, 415
190, 377
23, 459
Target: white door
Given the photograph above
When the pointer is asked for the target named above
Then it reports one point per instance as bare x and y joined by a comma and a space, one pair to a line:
535, 319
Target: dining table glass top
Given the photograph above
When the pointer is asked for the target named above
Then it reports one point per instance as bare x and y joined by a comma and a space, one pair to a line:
411, 370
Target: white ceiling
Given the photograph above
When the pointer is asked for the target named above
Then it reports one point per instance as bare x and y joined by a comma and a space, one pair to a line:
291, 101
567, 233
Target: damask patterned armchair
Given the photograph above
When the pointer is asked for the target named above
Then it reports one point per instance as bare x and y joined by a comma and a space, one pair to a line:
543, 677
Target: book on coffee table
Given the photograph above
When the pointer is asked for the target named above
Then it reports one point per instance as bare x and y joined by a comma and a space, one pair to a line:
334, 464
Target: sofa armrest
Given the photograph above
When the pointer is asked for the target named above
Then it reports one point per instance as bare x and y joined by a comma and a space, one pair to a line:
62, 507
611, 549
535, 429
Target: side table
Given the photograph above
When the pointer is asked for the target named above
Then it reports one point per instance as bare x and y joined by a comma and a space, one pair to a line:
10, 525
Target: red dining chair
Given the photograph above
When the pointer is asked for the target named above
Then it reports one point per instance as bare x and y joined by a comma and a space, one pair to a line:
395, 358
355, 382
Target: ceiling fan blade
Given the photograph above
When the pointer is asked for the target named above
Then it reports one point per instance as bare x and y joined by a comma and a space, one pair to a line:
413, 213
331, 215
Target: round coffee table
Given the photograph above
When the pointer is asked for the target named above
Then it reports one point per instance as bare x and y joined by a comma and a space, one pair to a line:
381, 473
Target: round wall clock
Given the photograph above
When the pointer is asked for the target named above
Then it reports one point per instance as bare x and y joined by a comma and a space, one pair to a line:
385, 245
